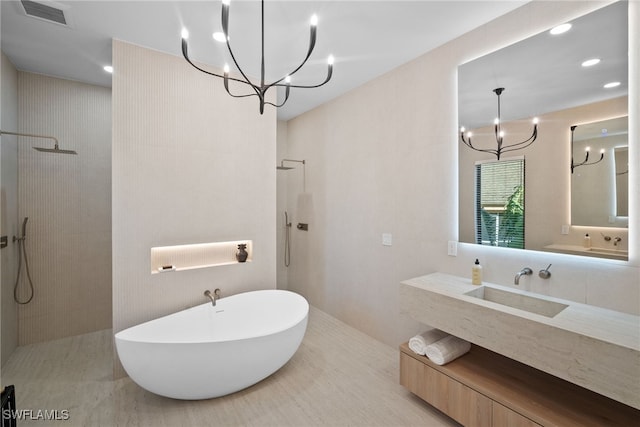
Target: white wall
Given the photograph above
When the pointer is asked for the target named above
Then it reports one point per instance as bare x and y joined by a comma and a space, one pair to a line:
9, 206
383, 159
190, 165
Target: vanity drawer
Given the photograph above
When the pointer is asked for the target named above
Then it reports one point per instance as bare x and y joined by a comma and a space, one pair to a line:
458, 401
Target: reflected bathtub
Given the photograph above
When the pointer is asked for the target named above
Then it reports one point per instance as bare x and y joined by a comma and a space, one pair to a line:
206, 351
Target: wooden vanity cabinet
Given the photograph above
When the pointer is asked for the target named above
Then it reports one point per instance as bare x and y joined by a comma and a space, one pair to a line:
483, 388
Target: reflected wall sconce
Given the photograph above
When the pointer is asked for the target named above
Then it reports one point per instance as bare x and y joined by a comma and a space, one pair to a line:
261, 89
585, 162
501, 146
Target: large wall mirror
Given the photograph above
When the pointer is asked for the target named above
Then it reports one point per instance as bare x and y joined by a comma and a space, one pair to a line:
577, 79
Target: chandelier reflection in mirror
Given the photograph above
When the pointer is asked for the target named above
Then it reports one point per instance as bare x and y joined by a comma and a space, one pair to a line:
501, 146
261, 89
585, 162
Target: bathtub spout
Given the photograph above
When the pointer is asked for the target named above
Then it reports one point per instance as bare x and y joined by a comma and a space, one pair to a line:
215, 296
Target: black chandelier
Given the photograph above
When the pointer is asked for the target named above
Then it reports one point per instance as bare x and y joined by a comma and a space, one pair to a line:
586, 156
261, 89
502, 148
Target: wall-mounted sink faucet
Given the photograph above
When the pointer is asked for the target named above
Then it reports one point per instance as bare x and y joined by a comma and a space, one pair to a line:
545, 273
213, 297
524, 272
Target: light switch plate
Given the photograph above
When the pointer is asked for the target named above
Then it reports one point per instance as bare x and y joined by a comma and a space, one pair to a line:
386, 239
452, 248
565, 229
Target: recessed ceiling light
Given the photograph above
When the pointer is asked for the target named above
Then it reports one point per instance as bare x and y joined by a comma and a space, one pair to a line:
219, 37
562, 28
108, 68
591, 62
611, 85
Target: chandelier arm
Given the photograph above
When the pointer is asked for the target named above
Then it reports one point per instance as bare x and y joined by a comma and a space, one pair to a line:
186, 57
329, 74
225, 29
527, 141
226, 87
312, 44
585, 162
286, 96
484, 150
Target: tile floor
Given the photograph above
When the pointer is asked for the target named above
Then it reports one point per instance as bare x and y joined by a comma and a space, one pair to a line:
338, 377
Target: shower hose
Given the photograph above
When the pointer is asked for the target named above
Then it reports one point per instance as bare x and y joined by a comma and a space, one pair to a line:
22, 251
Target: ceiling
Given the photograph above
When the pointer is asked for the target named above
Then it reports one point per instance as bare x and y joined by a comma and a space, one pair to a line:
543, 73
367, 38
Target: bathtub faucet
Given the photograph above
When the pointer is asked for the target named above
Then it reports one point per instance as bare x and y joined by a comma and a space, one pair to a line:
213, 297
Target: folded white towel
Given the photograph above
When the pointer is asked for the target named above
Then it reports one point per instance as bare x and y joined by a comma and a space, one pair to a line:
418, 343
447, 349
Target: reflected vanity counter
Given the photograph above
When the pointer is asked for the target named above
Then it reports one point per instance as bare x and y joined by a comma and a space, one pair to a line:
592, 347
619, 254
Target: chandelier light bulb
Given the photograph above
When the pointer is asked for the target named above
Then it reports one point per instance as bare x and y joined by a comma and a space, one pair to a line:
226, 68
587, 149
219, 37
330, 60
462, 129
535, 120
602, 151
469, 134
287, 79
591, 62
225, 2
185, 34
501, 134
314, 20
496, 121
563, 28
108, 68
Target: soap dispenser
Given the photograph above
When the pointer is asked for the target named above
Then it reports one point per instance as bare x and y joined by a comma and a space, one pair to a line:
587, 241
476, 273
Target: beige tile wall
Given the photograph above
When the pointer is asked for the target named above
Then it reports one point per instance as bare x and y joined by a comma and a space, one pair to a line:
67, 199
9, 207
190, 165
383, 159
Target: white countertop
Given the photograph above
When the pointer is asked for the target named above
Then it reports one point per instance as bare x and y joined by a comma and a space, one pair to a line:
596, 348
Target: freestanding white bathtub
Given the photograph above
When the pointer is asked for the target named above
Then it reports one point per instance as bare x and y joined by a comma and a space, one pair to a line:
206, 351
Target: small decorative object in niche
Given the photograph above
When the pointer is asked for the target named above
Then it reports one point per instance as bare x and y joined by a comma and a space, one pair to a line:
242, 254
199, 255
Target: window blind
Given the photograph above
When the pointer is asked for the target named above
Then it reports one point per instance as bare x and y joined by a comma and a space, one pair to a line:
499, 207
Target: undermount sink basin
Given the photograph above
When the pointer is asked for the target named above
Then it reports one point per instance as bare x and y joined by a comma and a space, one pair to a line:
515, 300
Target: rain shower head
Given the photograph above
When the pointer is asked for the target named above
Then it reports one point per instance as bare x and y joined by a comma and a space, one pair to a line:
54, 150
282, 167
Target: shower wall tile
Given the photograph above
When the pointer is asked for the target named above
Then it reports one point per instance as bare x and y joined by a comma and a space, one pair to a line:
68, 201
190, 165
9, 206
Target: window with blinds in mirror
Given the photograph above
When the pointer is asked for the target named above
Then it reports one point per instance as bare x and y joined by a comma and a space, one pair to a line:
499, 207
